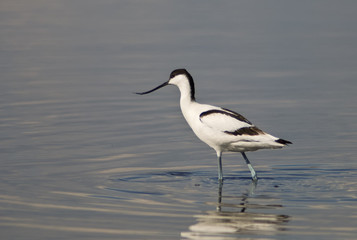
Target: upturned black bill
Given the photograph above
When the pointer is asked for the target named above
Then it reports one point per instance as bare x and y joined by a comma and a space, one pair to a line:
158, 87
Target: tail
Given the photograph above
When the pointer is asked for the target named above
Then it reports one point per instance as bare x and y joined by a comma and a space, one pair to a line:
282, 141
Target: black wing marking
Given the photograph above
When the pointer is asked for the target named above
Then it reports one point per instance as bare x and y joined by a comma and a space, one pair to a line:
226, 112
282, 141
251, 131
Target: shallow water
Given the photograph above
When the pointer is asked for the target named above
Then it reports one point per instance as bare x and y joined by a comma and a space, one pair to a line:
84, 158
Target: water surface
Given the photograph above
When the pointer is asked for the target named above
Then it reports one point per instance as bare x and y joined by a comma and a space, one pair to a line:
84, 158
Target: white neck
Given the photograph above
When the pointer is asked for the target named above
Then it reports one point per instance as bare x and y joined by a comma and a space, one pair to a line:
186, 103
185, 91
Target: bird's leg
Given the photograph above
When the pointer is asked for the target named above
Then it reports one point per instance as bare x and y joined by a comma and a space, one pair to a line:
252, 171
219, 205
220, 171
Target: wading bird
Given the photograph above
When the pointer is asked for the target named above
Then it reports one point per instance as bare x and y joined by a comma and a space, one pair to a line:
220, 128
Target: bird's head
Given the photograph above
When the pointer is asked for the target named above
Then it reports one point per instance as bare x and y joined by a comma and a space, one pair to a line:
180, 78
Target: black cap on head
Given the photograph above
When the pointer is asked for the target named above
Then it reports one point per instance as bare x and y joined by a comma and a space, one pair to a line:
183, 71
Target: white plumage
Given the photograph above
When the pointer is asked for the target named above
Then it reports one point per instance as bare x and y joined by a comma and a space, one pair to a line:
220, 128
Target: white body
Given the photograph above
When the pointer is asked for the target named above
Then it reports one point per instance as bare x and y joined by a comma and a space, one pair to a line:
211, 129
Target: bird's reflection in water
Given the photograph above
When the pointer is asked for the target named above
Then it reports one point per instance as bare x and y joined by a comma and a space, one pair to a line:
232, 220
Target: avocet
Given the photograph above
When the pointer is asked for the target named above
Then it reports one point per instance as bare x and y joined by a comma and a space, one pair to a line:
220, 128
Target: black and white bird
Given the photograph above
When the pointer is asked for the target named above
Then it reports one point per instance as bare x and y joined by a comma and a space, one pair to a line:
220, 128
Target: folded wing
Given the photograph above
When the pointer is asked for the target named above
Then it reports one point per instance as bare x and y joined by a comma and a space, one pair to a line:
229, 122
